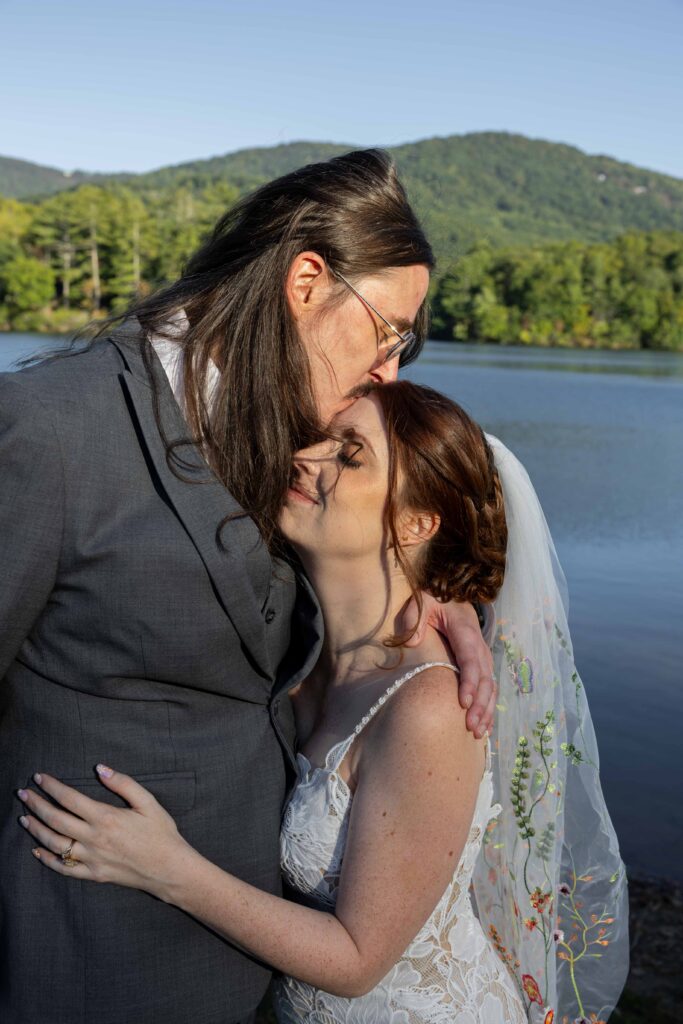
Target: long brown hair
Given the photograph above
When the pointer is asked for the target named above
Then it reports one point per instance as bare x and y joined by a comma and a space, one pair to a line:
353, 211
446, 468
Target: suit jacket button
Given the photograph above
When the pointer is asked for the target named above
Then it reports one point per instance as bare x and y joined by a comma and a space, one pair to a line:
270, 615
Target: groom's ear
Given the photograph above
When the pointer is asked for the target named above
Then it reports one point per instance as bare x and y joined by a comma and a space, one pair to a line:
418, 528
307, 284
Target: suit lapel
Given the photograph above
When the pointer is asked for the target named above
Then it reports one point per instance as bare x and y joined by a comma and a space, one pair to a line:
307, 629
302, 653
239, 567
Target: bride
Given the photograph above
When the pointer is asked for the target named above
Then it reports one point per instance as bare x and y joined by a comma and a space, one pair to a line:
388, 829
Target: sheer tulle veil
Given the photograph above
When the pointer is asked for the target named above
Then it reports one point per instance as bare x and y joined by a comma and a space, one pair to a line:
550, 886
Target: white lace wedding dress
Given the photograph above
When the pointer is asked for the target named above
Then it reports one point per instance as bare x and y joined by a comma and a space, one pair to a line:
450, 972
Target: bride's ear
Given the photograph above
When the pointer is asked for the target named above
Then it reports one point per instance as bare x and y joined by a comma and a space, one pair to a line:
418, 528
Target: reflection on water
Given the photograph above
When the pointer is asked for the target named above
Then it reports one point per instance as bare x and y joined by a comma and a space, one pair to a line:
638, 363
601, 435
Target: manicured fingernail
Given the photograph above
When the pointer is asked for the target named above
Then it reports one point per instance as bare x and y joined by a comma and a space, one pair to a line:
468, 702
475, 721
36, 853
22, 794
23, 820
105, 772
38, 778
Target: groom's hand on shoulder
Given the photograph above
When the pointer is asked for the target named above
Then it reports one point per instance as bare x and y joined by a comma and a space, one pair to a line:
459, 624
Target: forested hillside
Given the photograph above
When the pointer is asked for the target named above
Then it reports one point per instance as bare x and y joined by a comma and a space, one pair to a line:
22, 179
92, 245
622, 294
506, 188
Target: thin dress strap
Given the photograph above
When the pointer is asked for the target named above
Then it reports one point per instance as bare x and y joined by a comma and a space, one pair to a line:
343, 748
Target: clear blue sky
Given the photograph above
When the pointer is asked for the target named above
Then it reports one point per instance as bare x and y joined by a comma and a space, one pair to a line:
138, 84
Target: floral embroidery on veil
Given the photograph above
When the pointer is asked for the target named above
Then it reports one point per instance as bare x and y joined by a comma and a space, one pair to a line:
550, 886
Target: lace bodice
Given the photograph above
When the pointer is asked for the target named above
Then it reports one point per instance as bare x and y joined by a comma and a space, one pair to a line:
450, 971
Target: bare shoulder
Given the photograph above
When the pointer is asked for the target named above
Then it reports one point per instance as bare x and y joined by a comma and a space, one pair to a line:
425, 713
418, 749
427, 697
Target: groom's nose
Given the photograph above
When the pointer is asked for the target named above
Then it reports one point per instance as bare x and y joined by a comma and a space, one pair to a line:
386, 372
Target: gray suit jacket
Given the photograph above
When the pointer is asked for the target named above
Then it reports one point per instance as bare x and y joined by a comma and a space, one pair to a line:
128, 636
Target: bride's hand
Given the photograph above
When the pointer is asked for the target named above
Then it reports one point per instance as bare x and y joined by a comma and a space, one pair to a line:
137, 846
459, 624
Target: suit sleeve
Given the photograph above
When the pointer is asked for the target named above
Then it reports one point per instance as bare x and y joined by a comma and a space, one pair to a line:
31, 512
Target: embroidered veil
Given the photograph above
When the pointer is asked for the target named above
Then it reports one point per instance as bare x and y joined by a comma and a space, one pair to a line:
549, 884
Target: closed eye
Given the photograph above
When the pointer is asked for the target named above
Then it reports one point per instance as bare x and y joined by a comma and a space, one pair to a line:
348, 462
346, 456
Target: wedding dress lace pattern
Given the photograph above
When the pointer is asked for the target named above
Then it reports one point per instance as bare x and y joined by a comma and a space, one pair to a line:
450, 973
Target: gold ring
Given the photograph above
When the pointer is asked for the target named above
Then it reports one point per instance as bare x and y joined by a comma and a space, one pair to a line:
67, 860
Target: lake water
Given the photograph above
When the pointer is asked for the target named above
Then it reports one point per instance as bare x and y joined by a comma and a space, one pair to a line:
601, 434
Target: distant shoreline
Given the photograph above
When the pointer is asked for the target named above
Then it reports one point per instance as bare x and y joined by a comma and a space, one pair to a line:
483, 345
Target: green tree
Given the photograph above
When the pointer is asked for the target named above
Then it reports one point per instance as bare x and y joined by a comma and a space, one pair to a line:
26, 286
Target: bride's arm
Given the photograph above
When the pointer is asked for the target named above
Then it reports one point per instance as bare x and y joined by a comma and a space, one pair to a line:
418, 778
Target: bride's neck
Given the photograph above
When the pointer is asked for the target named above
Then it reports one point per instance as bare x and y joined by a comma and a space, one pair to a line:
361, 606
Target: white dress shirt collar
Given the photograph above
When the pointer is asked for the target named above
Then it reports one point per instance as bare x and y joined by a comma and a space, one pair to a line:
171, 355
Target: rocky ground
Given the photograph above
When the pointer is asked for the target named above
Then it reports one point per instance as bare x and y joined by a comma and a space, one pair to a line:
654, 990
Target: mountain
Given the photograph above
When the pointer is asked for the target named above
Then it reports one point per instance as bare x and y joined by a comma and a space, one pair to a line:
511, 190
495, 186
20, 179
246, 168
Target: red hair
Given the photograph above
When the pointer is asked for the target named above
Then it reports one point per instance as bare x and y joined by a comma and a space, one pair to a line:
447, 469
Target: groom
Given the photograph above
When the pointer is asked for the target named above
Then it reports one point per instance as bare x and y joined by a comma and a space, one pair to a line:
133, 631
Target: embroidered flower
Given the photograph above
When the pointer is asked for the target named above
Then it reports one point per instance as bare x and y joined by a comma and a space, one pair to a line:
532, 990
539, 899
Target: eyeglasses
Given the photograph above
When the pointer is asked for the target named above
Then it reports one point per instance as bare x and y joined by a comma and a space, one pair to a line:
406, 342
